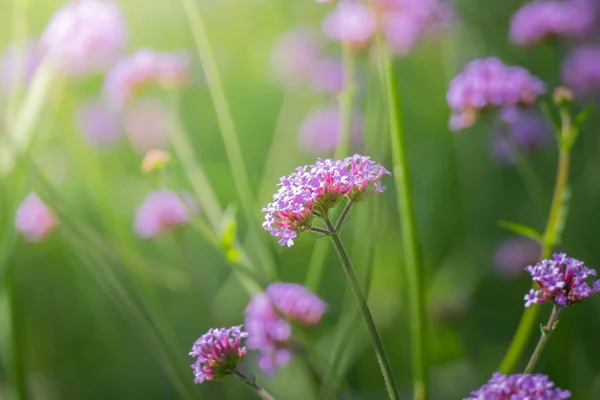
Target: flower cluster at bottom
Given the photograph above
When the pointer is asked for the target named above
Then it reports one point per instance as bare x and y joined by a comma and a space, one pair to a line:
519, 387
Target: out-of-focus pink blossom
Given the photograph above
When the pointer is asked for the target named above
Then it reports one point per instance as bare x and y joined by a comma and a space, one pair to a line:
295, 55
513, 255
160, 211
100, 125
146, 124
85, 36
328, 76
319, 133
581, 71
529, 131
351, 22
27, 56
34, 220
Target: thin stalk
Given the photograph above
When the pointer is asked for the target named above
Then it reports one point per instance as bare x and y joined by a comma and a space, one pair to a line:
251, 383
346, 99
382, 358
410, 238
544, 339
344, 215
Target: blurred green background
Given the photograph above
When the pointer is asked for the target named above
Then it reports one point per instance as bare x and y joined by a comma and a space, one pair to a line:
115, 319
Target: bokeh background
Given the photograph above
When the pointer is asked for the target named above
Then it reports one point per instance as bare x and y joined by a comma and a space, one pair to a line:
114, 317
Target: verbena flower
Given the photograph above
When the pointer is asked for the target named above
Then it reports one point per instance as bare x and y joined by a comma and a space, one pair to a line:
488, 84
351, 22
404, 22
581, 70
28, 55
515, 254
162, 210
100, 125
146, 124
519, 387
269, 332
319, 132
219, 352
539, 20
314, 189
146, 66
295, 55
34, 220
562, 280
85, 36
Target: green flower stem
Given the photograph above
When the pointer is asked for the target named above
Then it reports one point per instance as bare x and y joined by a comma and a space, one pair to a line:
262, 393
340, 223
346, 99
550, 239
544, 339
384, 363
410, 239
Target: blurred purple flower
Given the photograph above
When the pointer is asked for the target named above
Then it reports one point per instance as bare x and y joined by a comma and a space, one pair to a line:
143, 67
319, 132
519, 387
146, 124
85, 36
404, 22
351, 22
34, 220
539, 20
219, 352
160, 211
295, 56
515, 254
327, 76
489, 84
269, 332
581, 71
100, 125
529, 131
314, 189
561, 280
29, 57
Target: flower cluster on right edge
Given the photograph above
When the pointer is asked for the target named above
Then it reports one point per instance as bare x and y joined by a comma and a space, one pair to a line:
519, 387
562, 280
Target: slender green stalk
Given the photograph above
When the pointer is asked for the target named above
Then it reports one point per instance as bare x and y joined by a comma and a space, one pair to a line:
544, 339
251, 383
384, 363
410, 238
550, 239
346, 99
18, 370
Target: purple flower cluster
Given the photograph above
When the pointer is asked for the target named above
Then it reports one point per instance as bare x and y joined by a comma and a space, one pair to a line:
528, 132
160, 211
219, 352
34, 220
100, 125
562, 280
268, 330
319, 132
487, 84
519, 387
85, 36
351, 22
539, 20
581, 70
313, 189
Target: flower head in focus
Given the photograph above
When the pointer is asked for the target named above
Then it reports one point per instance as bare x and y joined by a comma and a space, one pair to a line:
488, 84
314, 189
85, 36
219, 352
162, 210
100, 125
268, 330
519, 387
351, 22
538, 20
515, 254
295, 55
26, 56
34, 220
581, 71
562, 280
319, 132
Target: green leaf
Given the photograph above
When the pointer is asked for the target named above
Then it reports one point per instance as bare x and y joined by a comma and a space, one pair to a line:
546, 111
584, 114
228, 230
520, 229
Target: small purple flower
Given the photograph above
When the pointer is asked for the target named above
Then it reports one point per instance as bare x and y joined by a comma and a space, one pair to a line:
160, 211
313, 189
539, 20
269, 332
519, 387
34, 220
488, 84
515, 254
219, 352
85, 36
146, 124
581, 71
295, 55
100, 125
327, 76
351, 22
562, 280
28, 58
319, 132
